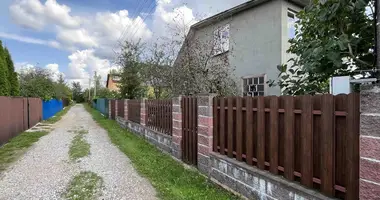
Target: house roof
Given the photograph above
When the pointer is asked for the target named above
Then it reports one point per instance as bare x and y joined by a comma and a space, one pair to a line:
239, 8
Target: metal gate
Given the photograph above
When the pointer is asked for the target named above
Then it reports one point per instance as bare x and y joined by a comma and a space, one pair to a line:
113, 108
189, 108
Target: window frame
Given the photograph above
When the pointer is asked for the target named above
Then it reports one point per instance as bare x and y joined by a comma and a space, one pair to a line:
243, 78
218, 47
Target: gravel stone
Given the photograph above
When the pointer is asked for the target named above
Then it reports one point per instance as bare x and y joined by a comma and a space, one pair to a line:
45, 170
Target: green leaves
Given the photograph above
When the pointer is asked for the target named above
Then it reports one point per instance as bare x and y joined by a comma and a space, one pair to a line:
327, 32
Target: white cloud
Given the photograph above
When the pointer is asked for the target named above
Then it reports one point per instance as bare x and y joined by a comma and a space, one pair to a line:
54, 69
35, 15
93, 38
51, 43
84, 63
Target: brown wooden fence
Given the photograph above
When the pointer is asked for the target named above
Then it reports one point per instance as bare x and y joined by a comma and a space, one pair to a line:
113, 108
120, 108
159, 115
134, 110
310, 139
17, 115
189, 107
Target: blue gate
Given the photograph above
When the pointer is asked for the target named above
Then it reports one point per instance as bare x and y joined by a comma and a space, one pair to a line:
50, 108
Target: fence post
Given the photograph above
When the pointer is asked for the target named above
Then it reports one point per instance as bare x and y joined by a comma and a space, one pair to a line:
369, 142
205, 131
177, 127
126, 109
142, 113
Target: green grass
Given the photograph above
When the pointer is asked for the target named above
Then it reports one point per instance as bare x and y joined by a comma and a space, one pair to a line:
85, 186
59, 115
12, 150
169, 177
79, 146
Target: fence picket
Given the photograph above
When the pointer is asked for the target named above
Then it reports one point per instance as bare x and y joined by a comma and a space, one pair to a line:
307, 141
249, 130
352, 147
230, 114
328, 145
239, 129
274, 135
289, 138
261, 132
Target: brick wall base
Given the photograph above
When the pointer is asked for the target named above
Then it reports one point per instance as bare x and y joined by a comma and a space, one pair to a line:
161, 141
254, 183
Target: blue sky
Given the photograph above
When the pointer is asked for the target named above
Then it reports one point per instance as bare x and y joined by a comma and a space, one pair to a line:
78, 37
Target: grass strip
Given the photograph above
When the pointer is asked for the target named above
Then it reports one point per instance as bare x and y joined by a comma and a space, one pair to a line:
84, 186
79, 146
59, 115
169, 177
17, 146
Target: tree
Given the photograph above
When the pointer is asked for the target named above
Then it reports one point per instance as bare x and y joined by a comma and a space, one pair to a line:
61, 89
157, 71
12, 75
77, 92
333, 38
37, 82
4, 81
131, 84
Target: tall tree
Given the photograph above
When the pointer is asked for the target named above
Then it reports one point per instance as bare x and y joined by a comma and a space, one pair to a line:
4, 82
37, 82
77, 92
131, 84
333, 38
12, 75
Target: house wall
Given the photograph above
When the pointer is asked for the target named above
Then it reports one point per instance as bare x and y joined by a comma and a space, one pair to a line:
112, 85
258, 40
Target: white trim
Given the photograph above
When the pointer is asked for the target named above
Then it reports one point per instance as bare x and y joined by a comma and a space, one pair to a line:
177, 128
203, 106
204, 155
372, 137
371, 114
368, 181
370, 159
177, 120
203, 145
205, 126
204, 116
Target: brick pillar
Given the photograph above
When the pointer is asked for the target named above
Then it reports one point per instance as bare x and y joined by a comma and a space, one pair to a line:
126, 109
116, 110
205, 131
177, 128
142, 113
109, 108
369, 142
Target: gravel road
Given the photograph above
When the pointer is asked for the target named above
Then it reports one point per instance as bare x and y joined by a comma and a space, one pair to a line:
45, 170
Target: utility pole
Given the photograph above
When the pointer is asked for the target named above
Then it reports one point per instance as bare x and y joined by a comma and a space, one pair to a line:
96, 80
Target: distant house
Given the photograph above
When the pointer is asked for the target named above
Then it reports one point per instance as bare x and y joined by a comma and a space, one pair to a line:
113, 81
254, 36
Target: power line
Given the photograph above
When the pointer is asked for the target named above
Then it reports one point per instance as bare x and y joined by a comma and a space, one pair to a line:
129, 26
134, 22
149, 13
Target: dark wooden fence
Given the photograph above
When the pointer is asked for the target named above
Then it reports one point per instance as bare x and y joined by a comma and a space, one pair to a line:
189, 106
159, 115
113, 108
18, 115
134, 110
120, 108
310, 139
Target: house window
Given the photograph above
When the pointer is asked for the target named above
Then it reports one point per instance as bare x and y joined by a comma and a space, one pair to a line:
254, 86
291, 24
221, 40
